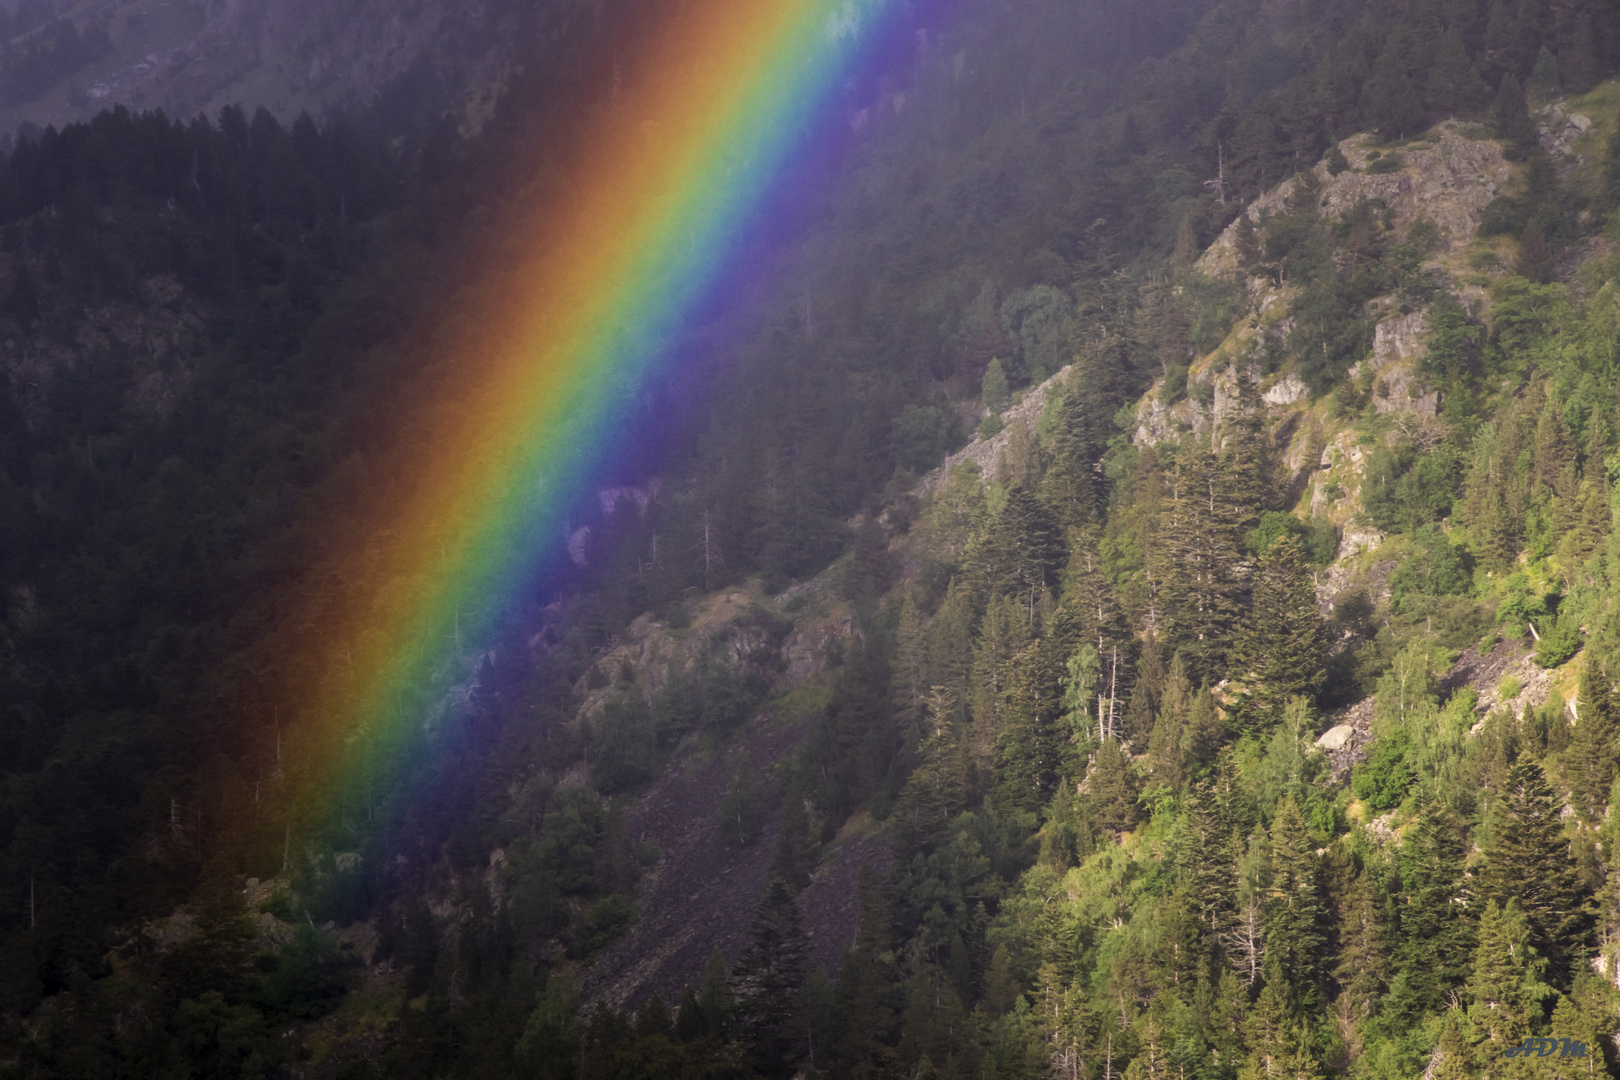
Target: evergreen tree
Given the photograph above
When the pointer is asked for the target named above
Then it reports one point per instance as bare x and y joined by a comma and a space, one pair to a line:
1534, 261
769, 977
1594, 748
1503, 988
1506, 42
1434, 941
1454, 85
911, 685
1282, 646
1195, 564
714, 996
1111, 788
1453, 1058
1512, 115
1168, 744
1529, 864
1206, 732
1365, 957
1074, 485
1295, 922
1544, 79
1167, 748
1140, 714
1392, 102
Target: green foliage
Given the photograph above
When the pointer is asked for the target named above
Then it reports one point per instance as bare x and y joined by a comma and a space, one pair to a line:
1560, 639
993, 392
1433, 566
1213, 305
1174, 385
922, 434
1382, 780
1318, 541
607, 918
309, 976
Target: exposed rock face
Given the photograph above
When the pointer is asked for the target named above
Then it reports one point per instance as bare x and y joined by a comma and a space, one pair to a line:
1449, 181
1398, 347
1558, 129
1335, 738
986, 453
1286, 391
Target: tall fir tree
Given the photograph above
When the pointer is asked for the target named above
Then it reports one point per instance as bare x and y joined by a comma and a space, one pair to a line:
1295, 925
1111, 787
1282, 645
1512, 115
1502, 990
1593, 755
1529, 864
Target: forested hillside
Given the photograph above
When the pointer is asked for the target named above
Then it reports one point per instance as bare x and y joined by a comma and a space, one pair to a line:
1132, 591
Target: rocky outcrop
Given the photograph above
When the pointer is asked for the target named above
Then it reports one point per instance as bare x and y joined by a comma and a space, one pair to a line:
986, 453
1448, 178
1398, 348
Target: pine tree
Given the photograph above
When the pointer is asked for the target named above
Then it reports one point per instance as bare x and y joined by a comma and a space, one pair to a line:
1544, 78
1033, 541
1365, 958
1168, 744
1529, 864
1294, 925
769, 977
1512, 115
1434, 942
1195, 562
1214, 859
1534, 261
1594, 749
1453, 1058
1282, 647
1073, 486
1454, 84
1247, 242
911, 684
950, 645
1206, 731
1502, 987
1505, 41
1111, 788
1392, 102
714, 996
1167, 748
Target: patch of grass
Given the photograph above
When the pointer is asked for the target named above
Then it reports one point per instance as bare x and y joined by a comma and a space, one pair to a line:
1508, 688
1389, 163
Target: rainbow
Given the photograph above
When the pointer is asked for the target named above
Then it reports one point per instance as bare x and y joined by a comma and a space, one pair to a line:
534, 379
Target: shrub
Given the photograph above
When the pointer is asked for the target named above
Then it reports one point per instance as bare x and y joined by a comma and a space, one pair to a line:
1560, 640
1175, 384
1382, 780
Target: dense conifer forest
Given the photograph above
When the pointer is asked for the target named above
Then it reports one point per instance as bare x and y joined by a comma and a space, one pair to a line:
1136, 575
